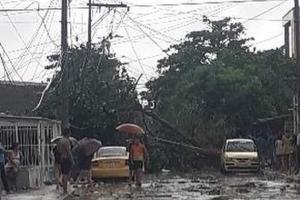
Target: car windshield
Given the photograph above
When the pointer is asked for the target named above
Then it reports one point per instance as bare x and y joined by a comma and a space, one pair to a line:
240, 146
113, 151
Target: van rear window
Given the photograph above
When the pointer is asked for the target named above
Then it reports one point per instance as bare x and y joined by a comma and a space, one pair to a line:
239, 146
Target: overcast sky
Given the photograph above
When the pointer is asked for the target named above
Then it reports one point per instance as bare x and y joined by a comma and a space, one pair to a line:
143, 31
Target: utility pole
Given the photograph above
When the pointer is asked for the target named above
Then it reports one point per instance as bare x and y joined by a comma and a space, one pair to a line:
99, 5
89, 43
64, 107
297, 39
297, 55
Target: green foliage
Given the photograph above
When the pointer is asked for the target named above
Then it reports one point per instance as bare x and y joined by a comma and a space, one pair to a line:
212, 84
101, 93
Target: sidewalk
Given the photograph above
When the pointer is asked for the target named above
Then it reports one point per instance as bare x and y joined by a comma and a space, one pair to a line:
45, 193
290, 178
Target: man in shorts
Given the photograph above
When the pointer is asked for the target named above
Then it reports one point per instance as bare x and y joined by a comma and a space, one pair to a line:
57, 167
64, 149
139, 156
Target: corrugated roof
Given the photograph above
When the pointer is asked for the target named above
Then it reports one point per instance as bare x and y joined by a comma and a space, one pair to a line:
268, 119
31, 118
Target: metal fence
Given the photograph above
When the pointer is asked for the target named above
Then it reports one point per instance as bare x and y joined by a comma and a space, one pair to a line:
34, 137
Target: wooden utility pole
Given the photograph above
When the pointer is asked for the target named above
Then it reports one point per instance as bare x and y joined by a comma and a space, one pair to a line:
99, 5
297, 39
89, 43
64, 107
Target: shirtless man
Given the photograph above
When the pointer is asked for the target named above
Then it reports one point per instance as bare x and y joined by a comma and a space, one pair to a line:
64, 148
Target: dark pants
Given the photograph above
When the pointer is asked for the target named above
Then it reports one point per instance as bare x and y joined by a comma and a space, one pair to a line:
3, 177
66, 164
298, 157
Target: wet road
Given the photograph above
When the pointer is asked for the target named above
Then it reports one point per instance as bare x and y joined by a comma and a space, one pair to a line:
205, 186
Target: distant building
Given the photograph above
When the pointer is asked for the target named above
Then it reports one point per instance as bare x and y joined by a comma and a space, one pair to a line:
34, 136
18, 123
19, 98
289, 33
290, 51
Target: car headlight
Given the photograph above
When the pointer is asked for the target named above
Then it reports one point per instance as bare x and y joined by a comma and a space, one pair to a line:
229, 159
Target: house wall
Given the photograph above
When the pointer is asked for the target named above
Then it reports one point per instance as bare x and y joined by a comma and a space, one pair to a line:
34, 137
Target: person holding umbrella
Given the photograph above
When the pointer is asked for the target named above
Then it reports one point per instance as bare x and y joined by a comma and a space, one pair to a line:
135, 166
139, 156
64, 150
57, 157
85, 152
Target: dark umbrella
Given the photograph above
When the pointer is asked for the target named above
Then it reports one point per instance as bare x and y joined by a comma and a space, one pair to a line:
130, 129
89, 146
73, 141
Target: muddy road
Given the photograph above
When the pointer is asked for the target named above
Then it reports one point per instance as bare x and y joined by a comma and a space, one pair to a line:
204, 186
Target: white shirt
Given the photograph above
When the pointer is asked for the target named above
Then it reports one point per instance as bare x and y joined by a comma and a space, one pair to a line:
278, 147
298, 139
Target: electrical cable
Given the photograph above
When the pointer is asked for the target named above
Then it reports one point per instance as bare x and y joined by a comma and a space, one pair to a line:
17, 31
148, 5
5, 70
178, 26
268, 39
46, 29
12, 65
32, 39
135, 53
265, 11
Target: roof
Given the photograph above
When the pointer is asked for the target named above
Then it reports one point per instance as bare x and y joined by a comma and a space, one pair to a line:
239, 140
113, 147
22, 83
29, 118
269, 119
19, 98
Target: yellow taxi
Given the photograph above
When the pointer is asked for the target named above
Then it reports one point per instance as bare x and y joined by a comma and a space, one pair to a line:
240, 155
110, 162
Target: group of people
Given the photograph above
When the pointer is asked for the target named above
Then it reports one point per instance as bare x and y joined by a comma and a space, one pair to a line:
9, 166
287, 151
64, 161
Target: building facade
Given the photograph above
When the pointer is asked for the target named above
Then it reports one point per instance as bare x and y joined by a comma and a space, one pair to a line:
34, 136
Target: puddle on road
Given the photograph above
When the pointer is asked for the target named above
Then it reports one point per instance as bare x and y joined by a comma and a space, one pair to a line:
214, 187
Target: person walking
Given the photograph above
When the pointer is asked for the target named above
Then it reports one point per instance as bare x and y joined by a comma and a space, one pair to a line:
85, 166
298, 152
64, 149
130, 163
287, 142
279, 154
2, 169
57, 166
139, 156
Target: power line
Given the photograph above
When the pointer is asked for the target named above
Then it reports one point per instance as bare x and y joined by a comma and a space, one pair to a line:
12, 65
176, 26
147, 5
17, 31
46, 29
33, 38
135, 53
5, 70
148, 35
266, 11
202, 3
268, 39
